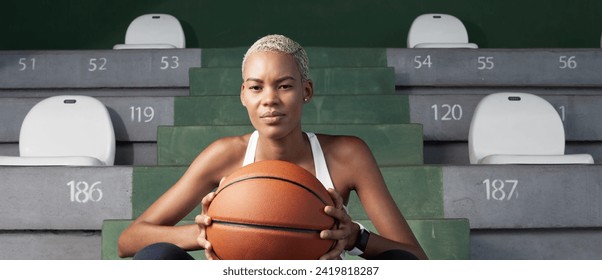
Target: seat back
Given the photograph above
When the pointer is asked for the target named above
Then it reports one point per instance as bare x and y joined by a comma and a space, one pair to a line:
515, 124
154, 31
438, 30
68, 126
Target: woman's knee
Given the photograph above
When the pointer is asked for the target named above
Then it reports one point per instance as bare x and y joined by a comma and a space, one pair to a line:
395, 255
162, 251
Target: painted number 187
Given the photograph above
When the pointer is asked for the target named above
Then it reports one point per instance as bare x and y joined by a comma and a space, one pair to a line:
500, 190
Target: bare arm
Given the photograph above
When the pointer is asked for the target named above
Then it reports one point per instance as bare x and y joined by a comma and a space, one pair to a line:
156, 224
362, 174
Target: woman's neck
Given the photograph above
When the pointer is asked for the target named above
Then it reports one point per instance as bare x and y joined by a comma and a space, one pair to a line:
294, 148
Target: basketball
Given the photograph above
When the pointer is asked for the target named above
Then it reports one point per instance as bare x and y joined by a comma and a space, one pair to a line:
270, 210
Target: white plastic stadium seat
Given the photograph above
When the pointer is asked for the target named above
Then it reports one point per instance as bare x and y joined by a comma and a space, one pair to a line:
65, 130
438, 31
154, 31
518, 128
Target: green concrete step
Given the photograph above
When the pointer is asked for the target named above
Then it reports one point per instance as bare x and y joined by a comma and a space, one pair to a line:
151, 182
111, 229
391, 144
490, 196
416, 190
441, 239
318, 57
327, 81
343, 109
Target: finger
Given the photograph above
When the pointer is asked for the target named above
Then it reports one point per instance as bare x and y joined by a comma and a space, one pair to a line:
222, 180
202, 219
336, 197
202, 241
202, 222
340, 235
206, 201
333, 254
209, 253
338, 214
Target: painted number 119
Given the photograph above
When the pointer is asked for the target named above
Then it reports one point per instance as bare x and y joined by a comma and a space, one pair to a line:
140, 114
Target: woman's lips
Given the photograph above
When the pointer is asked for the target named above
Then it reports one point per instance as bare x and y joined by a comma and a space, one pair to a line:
272, 116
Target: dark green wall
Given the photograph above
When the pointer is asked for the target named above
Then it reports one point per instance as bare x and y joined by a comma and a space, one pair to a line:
99, 24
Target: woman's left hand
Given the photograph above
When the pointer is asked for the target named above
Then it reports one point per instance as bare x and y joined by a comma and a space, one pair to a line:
342, 232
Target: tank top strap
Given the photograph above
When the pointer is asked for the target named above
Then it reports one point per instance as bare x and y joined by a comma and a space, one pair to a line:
322, 172
251, 148
319, 160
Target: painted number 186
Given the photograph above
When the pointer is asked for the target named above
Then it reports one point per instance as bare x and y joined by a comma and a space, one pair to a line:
82, 192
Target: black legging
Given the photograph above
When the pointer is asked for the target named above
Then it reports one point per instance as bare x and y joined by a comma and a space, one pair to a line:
394, 255
162, 251
168, 251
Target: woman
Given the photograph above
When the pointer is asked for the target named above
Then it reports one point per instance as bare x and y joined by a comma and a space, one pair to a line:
275, 87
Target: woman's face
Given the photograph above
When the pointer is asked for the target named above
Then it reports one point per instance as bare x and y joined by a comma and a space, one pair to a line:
273, 93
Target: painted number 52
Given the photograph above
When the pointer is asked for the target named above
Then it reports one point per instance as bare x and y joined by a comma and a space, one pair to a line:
97, 64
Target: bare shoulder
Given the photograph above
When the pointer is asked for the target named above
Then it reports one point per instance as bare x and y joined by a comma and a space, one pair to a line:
343, 147
229, 146
349, 159
222, 156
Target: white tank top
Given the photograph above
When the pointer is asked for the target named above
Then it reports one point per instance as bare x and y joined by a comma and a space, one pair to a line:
319, 161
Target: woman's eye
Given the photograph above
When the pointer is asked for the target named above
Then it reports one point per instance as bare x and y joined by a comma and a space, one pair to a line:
255, 88
286, 86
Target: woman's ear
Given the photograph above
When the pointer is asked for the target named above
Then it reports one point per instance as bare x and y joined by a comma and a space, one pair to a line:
308, 90
242, 95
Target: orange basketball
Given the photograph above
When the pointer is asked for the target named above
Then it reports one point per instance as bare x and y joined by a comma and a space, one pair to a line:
270, 210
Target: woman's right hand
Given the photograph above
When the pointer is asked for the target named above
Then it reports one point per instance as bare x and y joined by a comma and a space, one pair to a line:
203, 221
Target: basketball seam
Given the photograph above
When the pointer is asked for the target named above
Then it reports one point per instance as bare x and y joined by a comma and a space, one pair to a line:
334, 225
274, 228
261, 226
274, 178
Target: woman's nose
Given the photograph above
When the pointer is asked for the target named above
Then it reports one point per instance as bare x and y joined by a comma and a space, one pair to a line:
270, 96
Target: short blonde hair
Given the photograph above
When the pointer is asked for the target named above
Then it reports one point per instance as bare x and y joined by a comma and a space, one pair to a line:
281, 44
